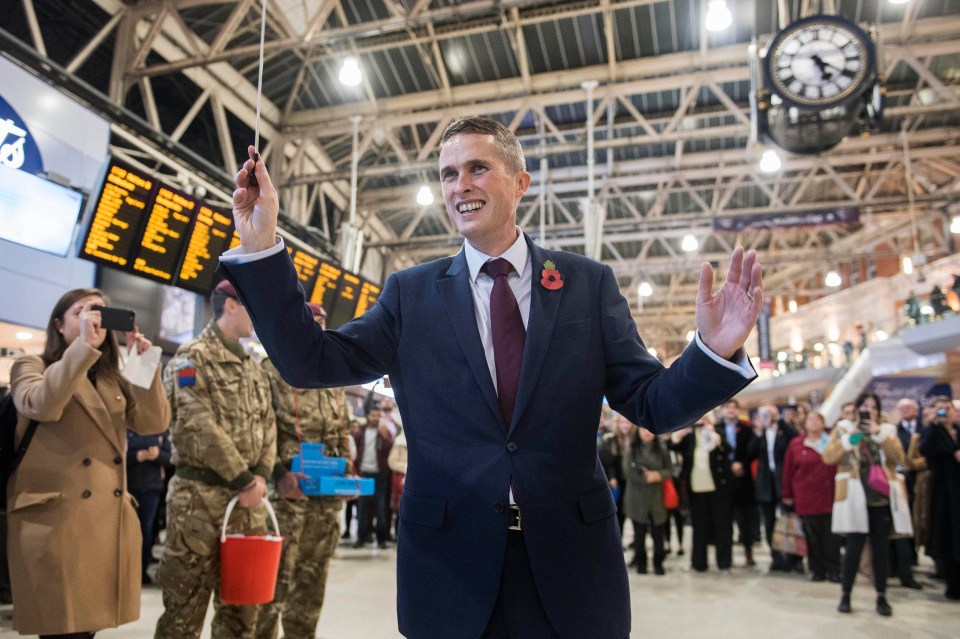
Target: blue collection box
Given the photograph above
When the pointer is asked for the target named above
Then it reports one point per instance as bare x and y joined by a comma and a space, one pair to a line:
346, 486
317, 467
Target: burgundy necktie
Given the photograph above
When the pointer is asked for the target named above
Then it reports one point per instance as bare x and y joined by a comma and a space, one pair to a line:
506, 327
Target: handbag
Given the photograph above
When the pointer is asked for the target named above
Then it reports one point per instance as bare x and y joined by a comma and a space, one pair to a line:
900, 508
788, 536
671, 500
877, 479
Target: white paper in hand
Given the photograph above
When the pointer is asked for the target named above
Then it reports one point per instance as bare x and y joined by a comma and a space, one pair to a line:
140, 369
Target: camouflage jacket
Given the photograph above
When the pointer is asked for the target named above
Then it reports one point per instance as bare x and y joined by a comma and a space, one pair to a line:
223, 420
324, 415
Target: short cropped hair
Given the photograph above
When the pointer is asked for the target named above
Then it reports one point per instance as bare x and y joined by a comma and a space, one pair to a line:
503, 137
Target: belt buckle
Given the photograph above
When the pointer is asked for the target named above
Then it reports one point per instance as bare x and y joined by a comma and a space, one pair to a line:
517, 526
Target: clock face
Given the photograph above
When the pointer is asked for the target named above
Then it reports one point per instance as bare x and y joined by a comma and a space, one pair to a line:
819, 62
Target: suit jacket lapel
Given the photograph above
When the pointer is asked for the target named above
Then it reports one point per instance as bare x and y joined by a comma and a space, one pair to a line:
92, 402
544, 304
455, 288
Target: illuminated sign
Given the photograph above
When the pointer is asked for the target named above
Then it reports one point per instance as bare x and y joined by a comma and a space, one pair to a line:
369, 293
325, 290
118, 216
164, 238
346, 301
211, 235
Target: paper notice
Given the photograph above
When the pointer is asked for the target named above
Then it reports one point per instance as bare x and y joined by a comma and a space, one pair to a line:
140, 369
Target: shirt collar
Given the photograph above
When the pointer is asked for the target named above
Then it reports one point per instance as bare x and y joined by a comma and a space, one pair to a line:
518, 255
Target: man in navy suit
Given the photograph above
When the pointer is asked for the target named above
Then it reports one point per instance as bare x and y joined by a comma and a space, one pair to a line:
499, 358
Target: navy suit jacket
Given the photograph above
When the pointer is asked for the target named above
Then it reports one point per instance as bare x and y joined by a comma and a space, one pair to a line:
581, 345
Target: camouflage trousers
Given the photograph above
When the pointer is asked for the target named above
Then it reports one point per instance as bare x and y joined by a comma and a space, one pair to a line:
189, 570
311, 531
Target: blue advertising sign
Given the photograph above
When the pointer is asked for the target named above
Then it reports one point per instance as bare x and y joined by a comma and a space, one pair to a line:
18, 149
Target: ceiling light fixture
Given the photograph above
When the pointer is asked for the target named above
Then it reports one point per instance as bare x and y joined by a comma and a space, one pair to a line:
792, 305
689, 243
24, 335
770, 161
645, 289
690, 335
898, 1
832, 279
350, 72
955, 224
718, 16
906, 265
424, 196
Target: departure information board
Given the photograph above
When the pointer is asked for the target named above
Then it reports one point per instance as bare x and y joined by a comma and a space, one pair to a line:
164, 237
118, 216
306, 265
211, 236
369, 293
146, 227
325, 290
346, 300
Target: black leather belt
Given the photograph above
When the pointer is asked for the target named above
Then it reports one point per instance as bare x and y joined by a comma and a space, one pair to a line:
513, 520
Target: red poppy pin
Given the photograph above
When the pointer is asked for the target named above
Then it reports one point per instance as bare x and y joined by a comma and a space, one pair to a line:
550, 277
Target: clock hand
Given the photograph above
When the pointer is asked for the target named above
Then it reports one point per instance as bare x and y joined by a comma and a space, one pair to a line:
824, 72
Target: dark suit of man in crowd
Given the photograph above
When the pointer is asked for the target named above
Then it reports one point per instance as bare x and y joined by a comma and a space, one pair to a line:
738, 434
499, 366
769, 447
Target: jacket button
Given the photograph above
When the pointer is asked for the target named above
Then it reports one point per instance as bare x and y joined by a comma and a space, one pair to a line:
86, 494
117, 460
512, 447
87, 462
117, 492
498, 507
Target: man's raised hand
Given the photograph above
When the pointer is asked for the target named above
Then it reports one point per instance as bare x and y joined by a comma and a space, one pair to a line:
725, 318
255, 208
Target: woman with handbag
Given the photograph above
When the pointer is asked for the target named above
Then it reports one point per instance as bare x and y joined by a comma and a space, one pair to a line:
74, 537
646, 464
808, 486
866, 454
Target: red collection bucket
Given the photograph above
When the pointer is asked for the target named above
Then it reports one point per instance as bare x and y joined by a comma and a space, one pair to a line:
249, 563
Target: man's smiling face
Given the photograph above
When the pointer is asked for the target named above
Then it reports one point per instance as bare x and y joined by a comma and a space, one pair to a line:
481, 194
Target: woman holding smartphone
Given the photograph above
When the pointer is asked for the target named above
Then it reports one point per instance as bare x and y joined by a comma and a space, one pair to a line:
73, 533
861, 507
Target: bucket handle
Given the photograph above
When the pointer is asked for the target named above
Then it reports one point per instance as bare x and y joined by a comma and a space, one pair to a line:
232, 505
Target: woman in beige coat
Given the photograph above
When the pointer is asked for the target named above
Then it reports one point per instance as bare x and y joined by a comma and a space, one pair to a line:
73, 536
859, 510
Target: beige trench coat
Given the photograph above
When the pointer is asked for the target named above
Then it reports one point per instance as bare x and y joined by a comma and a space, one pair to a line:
73, 535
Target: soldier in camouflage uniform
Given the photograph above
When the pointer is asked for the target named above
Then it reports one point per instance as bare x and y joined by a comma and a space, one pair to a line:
224, 436
310, 525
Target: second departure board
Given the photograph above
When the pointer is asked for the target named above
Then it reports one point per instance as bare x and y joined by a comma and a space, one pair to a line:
346, 301
325, 290
118, 216
164, 237
369, 293
209, 238
306, 265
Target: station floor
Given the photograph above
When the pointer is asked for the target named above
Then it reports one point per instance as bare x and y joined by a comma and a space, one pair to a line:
747, 602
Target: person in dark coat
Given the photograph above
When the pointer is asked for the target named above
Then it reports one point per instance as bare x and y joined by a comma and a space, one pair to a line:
769, 447
147, 459
706, 472
940, 444
738, 433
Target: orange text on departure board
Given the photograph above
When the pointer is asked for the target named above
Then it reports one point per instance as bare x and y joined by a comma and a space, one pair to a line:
117, 215
328, 278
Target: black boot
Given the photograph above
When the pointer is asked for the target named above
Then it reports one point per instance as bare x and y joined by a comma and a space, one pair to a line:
883, 608
658, 564
641, 564
844, 604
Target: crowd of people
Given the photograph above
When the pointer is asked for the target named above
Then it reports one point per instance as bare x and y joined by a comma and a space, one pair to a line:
863, 486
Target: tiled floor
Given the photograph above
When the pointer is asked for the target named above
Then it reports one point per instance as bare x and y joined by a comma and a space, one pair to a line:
748, 602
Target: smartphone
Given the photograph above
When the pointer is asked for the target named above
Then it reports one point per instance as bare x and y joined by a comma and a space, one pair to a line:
115, 319
864, 416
